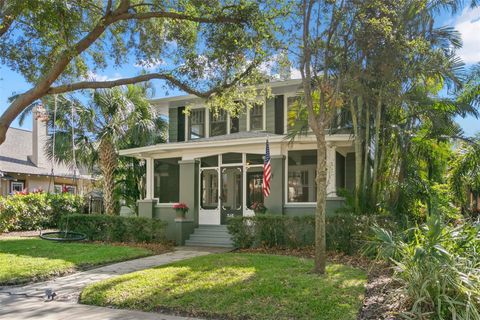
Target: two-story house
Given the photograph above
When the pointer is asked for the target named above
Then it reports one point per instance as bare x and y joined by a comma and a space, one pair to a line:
215, 165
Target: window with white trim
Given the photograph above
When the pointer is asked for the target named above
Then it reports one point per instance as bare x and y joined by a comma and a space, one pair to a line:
301, 186
218, 123
166, 181
196, 124
17, 186
256, 117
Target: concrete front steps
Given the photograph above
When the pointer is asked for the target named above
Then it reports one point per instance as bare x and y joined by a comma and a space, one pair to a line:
210, 236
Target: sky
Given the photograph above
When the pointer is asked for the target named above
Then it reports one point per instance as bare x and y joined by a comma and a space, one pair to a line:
467, 22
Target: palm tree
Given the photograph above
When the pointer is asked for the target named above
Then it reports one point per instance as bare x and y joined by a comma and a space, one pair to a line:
113, 119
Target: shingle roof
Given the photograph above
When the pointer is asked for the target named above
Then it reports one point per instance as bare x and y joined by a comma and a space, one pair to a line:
15, 155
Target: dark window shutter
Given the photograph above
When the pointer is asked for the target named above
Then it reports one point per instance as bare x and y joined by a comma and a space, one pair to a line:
181, 124
279, 115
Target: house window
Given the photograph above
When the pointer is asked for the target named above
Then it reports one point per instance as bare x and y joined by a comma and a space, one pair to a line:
256, 117
64, 188
209, 178
17, 186
234, 124
218, 123
301, 176
197, 124
254, 185
166, 182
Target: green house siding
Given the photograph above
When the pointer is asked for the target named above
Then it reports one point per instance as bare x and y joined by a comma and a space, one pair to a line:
304, 210
173, 124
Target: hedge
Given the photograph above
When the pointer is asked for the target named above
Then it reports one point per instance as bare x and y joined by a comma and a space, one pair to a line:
35, 211
99, 227
345, 233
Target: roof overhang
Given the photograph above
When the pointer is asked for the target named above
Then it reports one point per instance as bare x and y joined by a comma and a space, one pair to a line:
146, 152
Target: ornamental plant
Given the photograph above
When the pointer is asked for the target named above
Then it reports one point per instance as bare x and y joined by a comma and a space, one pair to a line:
181, 209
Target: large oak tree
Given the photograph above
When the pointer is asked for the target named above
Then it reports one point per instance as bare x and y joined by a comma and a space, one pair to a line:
199, 46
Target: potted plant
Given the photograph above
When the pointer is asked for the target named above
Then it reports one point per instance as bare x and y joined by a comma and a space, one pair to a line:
258, 208
181, 209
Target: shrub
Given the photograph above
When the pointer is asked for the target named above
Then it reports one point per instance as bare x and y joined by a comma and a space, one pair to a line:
99, 227
344, 232
36, 210
438, 267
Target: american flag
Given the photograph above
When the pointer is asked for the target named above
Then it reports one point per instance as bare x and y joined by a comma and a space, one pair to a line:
267, 172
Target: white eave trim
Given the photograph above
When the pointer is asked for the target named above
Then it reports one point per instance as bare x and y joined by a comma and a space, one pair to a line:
275, 139
274, 84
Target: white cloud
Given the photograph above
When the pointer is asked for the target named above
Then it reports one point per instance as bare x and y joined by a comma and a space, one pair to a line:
468, 24
295, 73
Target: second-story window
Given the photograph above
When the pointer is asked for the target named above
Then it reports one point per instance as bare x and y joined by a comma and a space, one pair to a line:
256, 117
218, 123
197, 124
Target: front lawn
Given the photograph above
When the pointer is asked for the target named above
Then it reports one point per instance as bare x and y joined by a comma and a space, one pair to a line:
28, 259
237, 286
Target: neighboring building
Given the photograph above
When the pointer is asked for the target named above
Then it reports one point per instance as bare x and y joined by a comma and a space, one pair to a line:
24, 165
215, 165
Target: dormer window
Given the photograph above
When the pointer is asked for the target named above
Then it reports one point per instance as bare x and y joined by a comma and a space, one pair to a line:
256, 118
218, 123
197, 124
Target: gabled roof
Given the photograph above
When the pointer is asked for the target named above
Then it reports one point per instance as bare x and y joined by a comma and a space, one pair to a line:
15, 155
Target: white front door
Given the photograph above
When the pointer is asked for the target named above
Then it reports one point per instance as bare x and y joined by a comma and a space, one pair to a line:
209, 212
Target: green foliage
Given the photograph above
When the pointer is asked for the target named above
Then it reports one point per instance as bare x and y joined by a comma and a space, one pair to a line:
100, 227
237, 286
345, 232
33, 259
464, 175
438, 267
36, 210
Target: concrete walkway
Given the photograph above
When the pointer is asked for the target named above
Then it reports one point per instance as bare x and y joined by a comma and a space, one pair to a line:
28, 302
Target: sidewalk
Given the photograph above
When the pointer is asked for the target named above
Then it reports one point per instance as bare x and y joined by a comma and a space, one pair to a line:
27, 302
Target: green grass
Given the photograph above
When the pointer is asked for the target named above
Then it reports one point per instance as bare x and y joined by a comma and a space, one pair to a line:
237, 286
29, 259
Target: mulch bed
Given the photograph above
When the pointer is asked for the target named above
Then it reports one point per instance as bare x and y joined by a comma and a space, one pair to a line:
382, 300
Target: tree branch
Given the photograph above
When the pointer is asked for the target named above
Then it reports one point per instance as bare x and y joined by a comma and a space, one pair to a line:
178, 16
151, 76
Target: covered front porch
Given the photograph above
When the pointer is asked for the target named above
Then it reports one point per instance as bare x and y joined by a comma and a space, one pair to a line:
222, 178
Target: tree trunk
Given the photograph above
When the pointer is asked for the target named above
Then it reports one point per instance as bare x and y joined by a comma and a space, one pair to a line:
108, 165
367, 152
358, 150
321, 179
376, 158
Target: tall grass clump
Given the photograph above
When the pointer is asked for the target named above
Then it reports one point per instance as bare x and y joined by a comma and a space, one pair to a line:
438, 267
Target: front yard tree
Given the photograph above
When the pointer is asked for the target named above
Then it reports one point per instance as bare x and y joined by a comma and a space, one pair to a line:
111, 120
200, 47
319, 45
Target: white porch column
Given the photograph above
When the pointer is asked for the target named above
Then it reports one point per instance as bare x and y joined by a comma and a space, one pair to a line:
331, 171
150, 177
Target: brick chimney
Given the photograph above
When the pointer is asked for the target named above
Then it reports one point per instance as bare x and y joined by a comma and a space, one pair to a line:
39, 137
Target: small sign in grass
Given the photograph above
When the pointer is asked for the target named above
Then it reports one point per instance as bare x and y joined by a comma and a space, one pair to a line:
29, 259
237, 286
